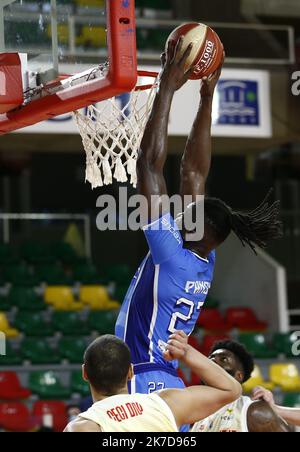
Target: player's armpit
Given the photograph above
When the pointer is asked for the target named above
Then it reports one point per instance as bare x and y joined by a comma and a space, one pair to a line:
80, 425
195, 403
262, 418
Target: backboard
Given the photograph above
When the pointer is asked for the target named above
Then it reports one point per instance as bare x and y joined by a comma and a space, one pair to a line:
64, 37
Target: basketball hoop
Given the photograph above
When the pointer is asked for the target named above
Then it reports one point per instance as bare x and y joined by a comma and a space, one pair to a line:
112, 131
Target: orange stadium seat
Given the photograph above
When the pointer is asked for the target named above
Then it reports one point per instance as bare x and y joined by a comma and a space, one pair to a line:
15, 417
56, 414
244, 319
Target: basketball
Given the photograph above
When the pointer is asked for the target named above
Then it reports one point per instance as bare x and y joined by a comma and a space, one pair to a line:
207, 51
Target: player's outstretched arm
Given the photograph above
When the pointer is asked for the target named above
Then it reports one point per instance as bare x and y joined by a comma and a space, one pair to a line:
196, 159
290, 415
198, 402
153, 149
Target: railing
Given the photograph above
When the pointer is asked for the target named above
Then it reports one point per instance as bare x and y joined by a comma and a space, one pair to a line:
8, 217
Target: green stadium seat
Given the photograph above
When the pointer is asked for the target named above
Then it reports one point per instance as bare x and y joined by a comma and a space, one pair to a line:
120, 292
120, 273
26, 299
78, 385
64, 252
37, 351
292, 400
72, 349
47, 385
69, 323
20, 275
33, 324
87, 274
5, 304
37, 253
103, 321
257, 345
7, 255
53, 275
283, 343
12, 357
211, 303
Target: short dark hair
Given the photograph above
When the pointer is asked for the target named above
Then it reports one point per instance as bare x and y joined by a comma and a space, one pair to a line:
107, 362
254, 228
240, 352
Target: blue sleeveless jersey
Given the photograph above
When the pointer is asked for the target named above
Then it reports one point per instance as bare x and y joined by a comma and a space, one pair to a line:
165, 295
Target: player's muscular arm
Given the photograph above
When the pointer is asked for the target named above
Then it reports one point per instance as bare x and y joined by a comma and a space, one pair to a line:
153, 149
80, 425
196, 159
262, 418
197, 402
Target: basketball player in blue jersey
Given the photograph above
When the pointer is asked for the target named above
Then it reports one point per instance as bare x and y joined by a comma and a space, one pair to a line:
170, 287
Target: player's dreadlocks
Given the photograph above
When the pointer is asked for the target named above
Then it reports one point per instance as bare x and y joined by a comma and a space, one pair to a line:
252, 228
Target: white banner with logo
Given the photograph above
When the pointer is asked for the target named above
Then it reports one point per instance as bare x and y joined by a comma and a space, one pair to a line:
241, 108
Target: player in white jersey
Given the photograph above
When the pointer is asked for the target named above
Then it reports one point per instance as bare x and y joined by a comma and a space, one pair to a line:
107, 367
244, 414
290, 415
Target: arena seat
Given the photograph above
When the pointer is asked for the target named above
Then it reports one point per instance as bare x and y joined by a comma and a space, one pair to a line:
47, 385
53, 408
53, 275
96, 297
209, 341
26, 299
92, 36
7, 255
36, 253
244, 319
183, 377
87, 274
10, 387
15, 417
12, 357
292, 400
78, 385
257, 345
72, 349
62, 298
5, 304
194, 342
283, 343
257, 379
33, 324
212, 320
286, 376
37, 351
119, 273
103, 321
20, 275
6, 328
64, 252
69, 323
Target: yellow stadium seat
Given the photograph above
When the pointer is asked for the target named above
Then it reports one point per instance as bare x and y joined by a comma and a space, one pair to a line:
257, 380
96, 297
62, 33
92, 36
286, 376
61, 298
6, 328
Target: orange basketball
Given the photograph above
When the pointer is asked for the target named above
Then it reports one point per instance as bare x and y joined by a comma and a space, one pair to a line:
207, 51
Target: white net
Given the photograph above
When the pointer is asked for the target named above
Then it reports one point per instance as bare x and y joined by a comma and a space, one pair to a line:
111, 134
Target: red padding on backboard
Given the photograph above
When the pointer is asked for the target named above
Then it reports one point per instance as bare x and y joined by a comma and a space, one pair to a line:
11, 86
122, 75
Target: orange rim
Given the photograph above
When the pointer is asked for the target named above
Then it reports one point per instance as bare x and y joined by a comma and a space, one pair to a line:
146, 74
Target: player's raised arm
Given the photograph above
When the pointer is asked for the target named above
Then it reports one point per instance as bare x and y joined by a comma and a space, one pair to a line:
196, 159
153, 150
198, 402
